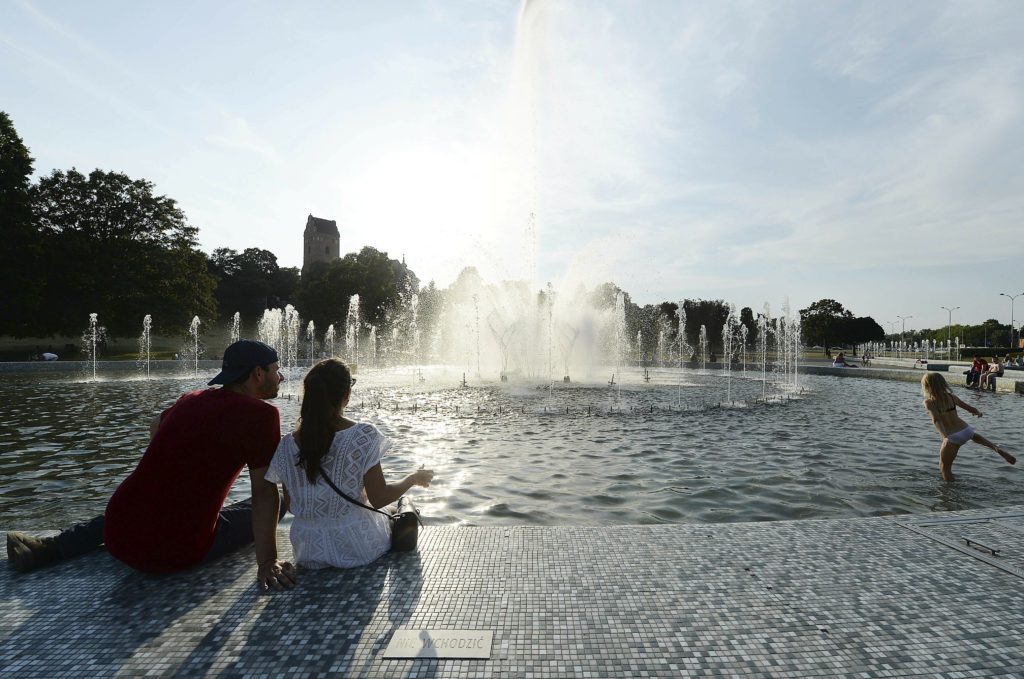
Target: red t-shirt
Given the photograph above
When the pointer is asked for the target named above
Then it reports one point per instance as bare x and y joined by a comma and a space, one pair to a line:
163, 517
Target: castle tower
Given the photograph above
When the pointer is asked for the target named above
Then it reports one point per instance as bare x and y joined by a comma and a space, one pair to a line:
321, 241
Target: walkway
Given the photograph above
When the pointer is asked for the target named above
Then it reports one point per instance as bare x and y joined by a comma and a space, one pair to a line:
878, 597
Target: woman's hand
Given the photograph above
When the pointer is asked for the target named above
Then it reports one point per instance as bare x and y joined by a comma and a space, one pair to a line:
277, 574
423, 477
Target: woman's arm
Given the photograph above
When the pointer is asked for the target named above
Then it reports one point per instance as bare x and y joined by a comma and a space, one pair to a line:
380, 493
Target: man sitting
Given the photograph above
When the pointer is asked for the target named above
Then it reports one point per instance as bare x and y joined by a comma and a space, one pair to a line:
168, 515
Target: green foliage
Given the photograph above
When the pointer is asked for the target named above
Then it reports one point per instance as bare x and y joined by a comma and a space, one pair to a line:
112, 247
21, 277
251, 281
709, 313
324, 292
827, 323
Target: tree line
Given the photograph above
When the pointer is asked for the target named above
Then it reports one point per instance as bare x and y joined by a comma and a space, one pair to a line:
104, 242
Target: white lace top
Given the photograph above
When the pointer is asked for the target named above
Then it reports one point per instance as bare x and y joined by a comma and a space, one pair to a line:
328, 530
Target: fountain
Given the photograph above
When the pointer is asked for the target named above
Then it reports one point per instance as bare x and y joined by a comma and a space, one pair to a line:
92, 338
193, 332
703, 348
236, 327
352, 331
329, 341
145, 344
311, 336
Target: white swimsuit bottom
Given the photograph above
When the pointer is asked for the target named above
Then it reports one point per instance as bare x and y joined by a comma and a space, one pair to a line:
962, 436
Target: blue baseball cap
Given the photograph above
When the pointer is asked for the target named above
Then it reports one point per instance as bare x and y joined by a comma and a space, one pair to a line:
241, 357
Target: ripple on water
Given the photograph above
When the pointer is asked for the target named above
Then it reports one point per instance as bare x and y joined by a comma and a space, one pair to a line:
65, 446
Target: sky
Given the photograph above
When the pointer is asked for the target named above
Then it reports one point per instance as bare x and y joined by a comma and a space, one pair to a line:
754, 152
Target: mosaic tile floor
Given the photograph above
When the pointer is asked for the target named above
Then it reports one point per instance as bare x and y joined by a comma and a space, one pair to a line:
861, 598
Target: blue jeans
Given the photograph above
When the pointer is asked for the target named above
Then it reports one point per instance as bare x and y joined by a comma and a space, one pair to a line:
234, 530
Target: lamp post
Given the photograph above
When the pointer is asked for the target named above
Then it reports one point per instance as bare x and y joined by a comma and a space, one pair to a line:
1012, 297
892, 331
903, 332
950, 323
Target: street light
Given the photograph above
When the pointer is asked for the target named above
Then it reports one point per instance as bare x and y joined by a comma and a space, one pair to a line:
950, 321
904, 330
1012, 297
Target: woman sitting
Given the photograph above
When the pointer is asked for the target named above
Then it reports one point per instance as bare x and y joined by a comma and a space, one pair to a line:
995, 369
840, 361
328, 530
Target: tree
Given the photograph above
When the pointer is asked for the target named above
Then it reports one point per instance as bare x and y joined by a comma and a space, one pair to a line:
709, 313
748, 321
250, 281
21, 277
862, 329
823, 322
113, 247
324, 291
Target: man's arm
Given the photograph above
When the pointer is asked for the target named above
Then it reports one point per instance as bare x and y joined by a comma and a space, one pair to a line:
266, 504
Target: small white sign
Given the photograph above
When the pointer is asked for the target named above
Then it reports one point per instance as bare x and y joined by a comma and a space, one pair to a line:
440, 643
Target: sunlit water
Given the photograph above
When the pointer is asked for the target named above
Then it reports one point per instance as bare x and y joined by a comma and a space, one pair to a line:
668, 450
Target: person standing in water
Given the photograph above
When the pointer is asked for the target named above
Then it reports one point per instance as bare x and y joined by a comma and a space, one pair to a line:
941, 404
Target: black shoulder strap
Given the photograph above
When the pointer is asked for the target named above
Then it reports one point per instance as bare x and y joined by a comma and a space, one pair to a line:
337, 490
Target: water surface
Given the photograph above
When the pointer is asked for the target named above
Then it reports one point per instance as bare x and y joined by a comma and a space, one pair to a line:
680, 448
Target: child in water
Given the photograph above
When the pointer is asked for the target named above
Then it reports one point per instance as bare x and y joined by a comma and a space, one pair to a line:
941, 404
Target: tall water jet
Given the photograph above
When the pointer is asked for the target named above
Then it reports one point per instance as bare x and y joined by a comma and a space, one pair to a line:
762, 335
291, 335
352, 331
329, 341
620, 331
236, 327
91, 338
703, 347
145, 344
268, 329
311, 336
193, 332
744, 331
727, 334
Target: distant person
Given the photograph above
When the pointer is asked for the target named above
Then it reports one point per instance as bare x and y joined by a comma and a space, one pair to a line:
941, 404
168, 515
329, 530
840, 361
978, 367
994, 370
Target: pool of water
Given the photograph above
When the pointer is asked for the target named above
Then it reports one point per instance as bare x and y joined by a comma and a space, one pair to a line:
682, 447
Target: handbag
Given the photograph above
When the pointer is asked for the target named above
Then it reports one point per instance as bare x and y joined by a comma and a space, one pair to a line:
405, 522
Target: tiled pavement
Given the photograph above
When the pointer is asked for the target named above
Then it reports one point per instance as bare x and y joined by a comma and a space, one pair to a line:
879, 597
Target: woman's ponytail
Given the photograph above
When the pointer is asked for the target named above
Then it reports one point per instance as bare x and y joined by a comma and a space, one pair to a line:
324, 389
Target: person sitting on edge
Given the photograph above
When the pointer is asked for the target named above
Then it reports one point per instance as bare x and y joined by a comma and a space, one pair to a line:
840, 361
328, 530
994, 370
978, 367
168, 515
